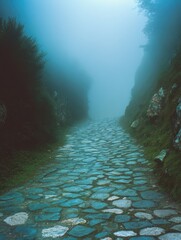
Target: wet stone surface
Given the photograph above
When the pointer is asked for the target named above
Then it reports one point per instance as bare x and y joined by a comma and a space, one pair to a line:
99, 186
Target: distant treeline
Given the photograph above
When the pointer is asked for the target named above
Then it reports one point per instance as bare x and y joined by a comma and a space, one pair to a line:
33, 102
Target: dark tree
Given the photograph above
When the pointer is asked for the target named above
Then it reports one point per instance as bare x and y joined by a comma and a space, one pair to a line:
21, 88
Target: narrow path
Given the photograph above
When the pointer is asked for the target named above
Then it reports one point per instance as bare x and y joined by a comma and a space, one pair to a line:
98, 187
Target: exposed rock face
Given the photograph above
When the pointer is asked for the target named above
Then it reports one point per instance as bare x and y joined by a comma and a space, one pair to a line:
135, 124
3, 114
177, 141
161, 156
156, 104
177, 127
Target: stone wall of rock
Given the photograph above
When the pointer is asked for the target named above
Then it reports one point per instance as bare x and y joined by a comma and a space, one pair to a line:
156, 104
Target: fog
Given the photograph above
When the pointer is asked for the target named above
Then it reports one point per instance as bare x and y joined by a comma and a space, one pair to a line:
103, 36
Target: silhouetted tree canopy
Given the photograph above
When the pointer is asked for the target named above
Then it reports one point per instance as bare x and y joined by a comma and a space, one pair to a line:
33, 111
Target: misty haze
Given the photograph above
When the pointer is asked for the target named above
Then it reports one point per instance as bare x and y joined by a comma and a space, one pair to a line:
98, 35
90, 119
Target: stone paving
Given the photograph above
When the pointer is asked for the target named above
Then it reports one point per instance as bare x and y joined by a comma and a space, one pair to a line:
99, 186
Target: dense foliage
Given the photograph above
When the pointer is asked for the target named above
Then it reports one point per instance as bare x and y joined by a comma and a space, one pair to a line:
33, 111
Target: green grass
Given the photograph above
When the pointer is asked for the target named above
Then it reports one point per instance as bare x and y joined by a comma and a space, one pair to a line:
158, 135
19, 166
154, 138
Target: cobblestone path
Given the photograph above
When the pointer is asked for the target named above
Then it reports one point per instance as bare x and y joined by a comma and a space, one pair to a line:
99, 186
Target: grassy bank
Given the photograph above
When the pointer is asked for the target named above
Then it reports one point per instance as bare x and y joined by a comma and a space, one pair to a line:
154, 138
19, 166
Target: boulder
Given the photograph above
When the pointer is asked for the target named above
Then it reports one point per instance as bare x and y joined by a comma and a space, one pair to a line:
156, 104
135, 124
161, 156
173, 88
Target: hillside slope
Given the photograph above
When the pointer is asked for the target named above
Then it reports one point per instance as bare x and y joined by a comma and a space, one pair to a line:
158, 131
153, 115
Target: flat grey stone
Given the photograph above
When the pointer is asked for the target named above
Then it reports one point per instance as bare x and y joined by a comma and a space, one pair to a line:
113, 198
151, 195
101, 235
143, 215
17, 219
171, 236
139, 182
164, 213
137, 225
176, 219
144, 204
99, 196
103, 182
99, 216
122, 203
12, 202
103, 189
47, 217
37, 206
125, 234
54, 232
122, 218
71, 195
123, 181
177, 227
98, 205
160, 222
126, 193
76, 189
81, 231
10, 196
113, 210
107, 238
35, 190
52, 210
95, 222
26, 231
143, 238
71, 203
153, 231
74, 221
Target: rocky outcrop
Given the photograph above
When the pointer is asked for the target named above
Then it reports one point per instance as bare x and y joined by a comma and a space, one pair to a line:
156, 104
177, 127
161, 156
135, 124
3, 114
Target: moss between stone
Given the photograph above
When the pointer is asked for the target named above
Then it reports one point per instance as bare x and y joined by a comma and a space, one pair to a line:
19, 166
